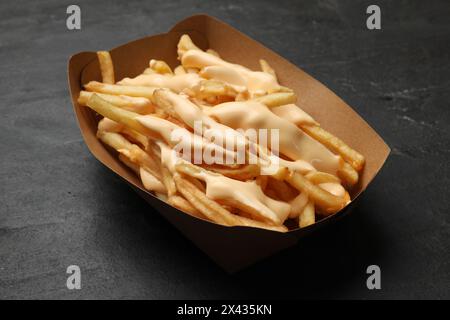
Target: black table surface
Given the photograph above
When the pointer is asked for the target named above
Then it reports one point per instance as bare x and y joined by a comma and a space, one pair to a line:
59, 206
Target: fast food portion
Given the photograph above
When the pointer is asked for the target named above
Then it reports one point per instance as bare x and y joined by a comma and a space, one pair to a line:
222, 142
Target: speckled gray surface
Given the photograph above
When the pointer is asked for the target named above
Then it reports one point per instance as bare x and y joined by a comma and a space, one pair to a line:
59, 206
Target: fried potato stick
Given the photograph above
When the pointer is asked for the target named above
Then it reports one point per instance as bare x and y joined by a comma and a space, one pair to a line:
119, 115
136, 104
185, 44
307, 217
184, 205
179, 70
131, 151
324, 200
318, 177
160, 66
213, 52
277, 99
115, 89
167, 179
106, 66
354, 158
265, 67
215, 212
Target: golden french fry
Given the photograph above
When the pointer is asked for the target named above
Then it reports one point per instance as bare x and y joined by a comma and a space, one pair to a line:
318, 177
160, 66
149, 71
347, 198
281, 174
336, 145
280, 89
109, 125
258, 208
151, 183
209, 208
215, 212
106, 66
277, 99
213, 52
307, 217
115, 89
131, 151
179, 70
298, 204
163, 104
167, 179
242, 96
192, 70
348, 174
197, 183
130, 164
136, 104
324, 200
283, 191
185, 44
119, 115
135, 137
265, 67
213, 88
247, 222
184, 205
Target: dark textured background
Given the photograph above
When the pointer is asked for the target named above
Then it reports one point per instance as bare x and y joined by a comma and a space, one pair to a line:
59, 206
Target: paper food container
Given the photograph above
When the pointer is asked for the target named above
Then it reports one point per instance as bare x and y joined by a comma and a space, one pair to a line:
233, 248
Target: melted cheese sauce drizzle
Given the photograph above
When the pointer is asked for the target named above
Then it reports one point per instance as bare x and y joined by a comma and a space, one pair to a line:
166, 130
236, 75
176, 83
294, 114
189, 113
294, 143
219, 187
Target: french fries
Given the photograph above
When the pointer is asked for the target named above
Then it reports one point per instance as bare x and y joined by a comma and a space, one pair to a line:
277, 99
114, 89
265, 67
324, 200
160, 67
130, 151
139, 121
136, 104
307, 217
127, 118
184, 205
106, 66
354, 158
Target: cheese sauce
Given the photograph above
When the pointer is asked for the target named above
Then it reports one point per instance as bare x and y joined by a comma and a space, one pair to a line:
189, 113
150, 182
218, 187
294, 114
186, 139
333, 188
176, 83
293, 142
215, 68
